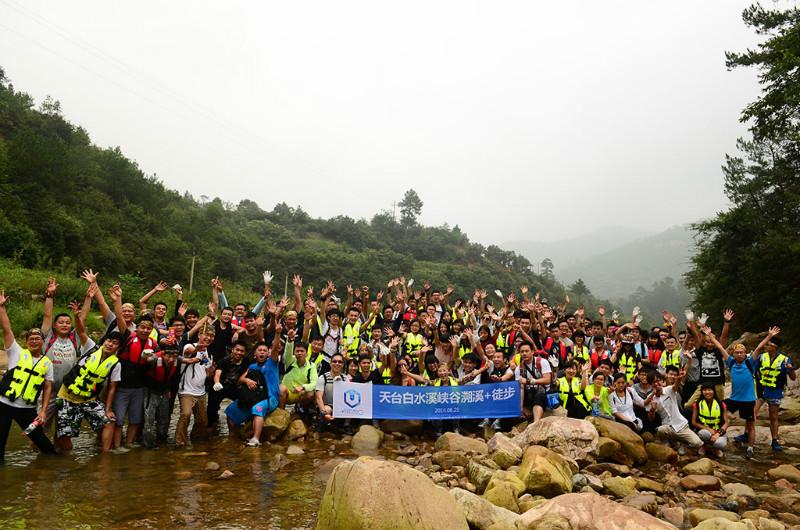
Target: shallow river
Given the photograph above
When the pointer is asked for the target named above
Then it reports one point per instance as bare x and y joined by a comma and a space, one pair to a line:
167, 488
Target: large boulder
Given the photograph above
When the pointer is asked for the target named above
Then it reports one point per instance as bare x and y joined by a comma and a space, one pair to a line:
661, 453
607, 448
479, 474
276, 423
297, 429
545, 472
588, 511
409, 500
502, 494
576, 439
367, 440
482, 514
504, 451
451, 441
632, 444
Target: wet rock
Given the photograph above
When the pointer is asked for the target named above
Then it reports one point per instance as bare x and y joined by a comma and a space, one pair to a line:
620, 487
182, 475
784, 484
632, 444
697, 515
579, 480
607, 448
294, 450
545, 472
225, 475
451, 441
407, 450
350, 502
367, 439
583, 511
785, 471
785, 502
614, 469
297, 429
276, 423
479, 474
576, 439
321, 474
661, 453
212, 466
448, 459
202, 486
504, 451
482, 514
648, 484
719, 523
700, 482
704, 466
646, 502
764, 523
673, 514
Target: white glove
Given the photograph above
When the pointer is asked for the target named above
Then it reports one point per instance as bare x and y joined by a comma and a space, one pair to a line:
267, 277
614, 315
499, 293
689, 314
636, 311
638, 319
410, 282
702, 319
217, 387
176, 286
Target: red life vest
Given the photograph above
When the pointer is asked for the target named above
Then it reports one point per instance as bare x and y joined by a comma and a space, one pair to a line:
135, 347
159, 377
548, 344
596, 358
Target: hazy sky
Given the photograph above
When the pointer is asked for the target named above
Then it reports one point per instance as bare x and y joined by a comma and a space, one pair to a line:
514, 120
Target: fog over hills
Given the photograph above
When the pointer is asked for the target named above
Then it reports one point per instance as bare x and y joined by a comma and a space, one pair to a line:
614, 262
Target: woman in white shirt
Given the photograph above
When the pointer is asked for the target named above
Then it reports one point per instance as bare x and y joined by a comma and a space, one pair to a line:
622, 400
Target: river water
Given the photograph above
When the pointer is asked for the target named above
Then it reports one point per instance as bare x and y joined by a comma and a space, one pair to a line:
169, 488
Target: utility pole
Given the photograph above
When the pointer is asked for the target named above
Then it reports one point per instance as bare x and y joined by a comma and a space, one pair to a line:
286, 285
394, 215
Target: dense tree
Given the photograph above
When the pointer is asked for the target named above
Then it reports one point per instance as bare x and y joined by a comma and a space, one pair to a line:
410, 208
749, 256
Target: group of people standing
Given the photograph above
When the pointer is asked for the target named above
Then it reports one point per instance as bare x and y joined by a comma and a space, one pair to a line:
283, 352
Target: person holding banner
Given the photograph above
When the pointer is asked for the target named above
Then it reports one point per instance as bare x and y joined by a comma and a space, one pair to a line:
535, 376
324, 389
444, 378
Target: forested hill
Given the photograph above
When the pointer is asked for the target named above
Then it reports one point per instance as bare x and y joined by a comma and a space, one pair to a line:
68, 204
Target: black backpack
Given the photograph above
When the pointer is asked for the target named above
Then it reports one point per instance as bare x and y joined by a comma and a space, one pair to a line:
247, 397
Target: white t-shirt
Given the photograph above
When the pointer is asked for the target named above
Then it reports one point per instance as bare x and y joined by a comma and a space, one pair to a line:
531, 369
192, 377
624, 404
13, 353
669, 409
474, 381
63, 355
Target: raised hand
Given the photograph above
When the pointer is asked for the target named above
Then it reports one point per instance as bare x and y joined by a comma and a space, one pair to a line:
297, 280
728, 315
267, 277
774, 330
90, 276
212, 308
524, 289
91, 290
74, 306
449, 290
184, 307
178, 289
349, 289
380, 295
115, 292
52, 287
689, 314
512, 298
484, 294
636, 312
3, 298
161, 287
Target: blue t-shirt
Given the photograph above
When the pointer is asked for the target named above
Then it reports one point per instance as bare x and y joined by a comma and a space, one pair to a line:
270, 371
743, 384
777, 392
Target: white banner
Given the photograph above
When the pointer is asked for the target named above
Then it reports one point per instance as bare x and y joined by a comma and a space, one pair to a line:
352, 400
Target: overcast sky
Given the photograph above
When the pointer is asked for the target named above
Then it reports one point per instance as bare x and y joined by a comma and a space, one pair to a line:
514, 120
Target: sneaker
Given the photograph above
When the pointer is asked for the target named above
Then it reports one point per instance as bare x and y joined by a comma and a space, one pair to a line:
702, 451
749, 453
776, 446
496, 425
741, 439
484, 423
253, 442
121, 450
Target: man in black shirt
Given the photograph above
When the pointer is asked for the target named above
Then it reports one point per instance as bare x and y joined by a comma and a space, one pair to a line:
226, 381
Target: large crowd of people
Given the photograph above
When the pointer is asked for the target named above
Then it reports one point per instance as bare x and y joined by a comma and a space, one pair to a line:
668, 380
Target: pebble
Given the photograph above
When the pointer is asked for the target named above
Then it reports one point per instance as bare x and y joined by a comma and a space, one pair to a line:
225, 475
212, 466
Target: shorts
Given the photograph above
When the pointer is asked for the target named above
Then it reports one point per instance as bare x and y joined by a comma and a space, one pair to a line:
538, 397
773, 401
70, 416
238, 416
130, 400
744, 408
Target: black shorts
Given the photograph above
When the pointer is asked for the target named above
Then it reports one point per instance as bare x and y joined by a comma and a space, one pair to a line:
744, 408
535, 397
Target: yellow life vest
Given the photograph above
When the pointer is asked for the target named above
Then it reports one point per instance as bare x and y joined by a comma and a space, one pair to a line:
413, 343
25, 380
770, 370
605, 405
92, 374
566, 390
453, 382
630, 364
581, 354
502, 343
352, 338
672, 358
710, 418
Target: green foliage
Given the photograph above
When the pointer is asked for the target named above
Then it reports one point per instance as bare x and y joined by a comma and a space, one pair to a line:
749, 256
70, 205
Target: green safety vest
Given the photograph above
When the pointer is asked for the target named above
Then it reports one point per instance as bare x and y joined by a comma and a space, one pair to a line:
352, 338
710, 418
566, 390
582, 354
92, 374
771, 370
630, 364
453, 382
672, 358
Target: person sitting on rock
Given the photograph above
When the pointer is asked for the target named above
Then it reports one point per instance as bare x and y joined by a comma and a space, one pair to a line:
597, 395
623, 399
571, 390
261, 380
709, 417
665, 401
